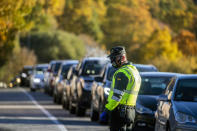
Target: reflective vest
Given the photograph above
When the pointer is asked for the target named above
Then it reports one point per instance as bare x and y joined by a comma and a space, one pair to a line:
128, 95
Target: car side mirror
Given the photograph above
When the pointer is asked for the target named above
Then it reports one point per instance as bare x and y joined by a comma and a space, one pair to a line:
49, 70
163, 98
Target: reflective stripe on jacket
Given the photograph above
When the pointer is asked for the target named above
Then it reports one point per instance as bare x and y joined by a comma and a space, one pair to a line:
125, 87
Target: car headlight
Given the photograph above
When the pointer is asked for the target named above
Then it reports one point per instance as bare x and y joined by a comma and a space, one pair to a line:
24, 75
141, 109
18, 80
36, 80
106, 90
183, 118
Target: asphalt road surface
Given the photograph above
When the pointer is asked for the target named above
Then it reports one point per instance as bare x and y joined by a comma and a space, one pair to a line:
22, 110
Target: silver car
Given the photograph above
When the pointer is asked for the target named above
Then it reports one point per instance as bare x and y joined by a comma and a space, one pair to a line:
37, 77
177, 107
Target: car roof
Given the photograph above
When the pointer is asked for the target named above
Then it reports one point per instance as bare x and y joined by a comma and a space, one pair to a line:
70, 62
145, 66
187, 76
42, 65
164, 74
95, 58
27, 67
55, 61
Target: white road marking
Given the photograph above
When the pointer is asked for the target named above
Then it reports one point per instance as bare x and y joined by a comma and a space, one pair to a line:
49, 115
28, 107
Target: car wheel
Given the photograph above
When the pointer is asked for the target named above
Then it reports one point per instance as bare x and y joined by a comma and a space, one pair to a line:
168, 127
45, 90
71, 108
65, 101
32, 90
54, 98
80, 111
58, 100
94, 115
156, 126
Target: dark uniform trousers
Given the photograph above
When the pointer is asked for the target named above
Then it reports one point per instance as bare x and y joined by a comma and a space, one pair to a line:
122, 119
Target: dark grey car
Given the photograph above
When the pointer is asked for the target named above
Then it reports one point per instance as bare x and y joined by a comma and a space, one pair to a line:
177, 108
153, 84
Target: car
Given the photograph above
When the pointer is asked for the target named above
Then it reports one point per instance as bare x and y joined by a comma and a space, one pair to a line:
48, 76
37, 77
67, 85
61, 79
145, 68
15, 82
177, 107
152, 85
86, 71
25, 75
100, 92
51, 76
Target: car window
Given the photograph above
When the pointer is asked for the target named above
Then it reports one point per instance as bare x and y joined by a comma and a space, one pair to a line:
56, 67
146, 69
65, 69
93, 67
110, 73
40, 70
153, 85
186, 90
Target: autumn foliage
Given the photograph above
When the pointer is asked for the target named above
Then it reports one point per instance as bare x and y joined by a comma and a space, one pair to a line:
159, 32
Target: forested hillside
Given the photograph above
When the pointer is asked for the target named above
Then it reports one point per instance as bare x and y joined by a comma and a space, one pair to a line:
159, 32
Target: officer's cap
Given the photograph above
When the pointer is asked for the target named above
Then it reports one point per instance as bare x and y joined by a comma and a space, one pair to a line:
118, 50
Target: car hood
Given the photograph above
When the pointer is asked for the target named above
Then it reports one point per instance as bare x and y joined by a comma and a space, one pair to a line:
189, 108
88, 79
148, 101
40, 76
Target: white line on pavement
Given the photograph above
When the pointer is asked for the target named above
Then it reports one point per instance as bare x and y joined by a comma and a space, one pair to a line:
28, 107
49, 115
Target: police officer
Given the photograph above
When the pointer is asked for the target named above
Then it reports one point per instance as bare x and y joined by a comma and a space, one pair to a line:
124, 90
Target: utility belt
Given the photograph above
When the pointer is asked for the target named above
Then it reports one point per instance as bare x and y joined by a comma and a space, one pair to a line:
125, 107
124, 112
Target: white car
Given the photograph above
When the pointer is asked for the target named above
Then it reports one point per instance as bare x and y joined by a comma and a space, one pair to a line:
37, 77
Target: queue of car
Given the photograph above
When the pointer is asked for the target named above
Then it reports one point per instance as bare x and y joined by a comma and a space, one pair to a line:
166, 101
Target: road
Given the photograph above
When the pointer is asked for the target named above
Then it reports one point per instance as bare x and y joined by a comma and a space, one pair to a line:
22, 110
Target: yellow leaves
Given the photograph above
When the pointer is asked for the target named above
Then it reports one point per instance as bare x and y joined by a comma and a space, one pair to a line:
55, 7
160, 44
187, 43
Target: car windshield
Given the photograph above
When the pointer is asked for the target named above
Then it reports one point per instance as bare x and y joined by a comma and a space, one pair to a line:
57, 66
27, 70
40, 70
110, 73
146, 69
186, 90
153, 85
93, 67
65, 69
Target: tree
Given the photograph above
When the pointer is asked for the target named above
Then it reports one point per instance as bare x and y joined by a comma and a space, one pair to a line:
50, 45
19, 58
83, 17
12, 19
187, 43
176, 13
160, 44
128, 22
